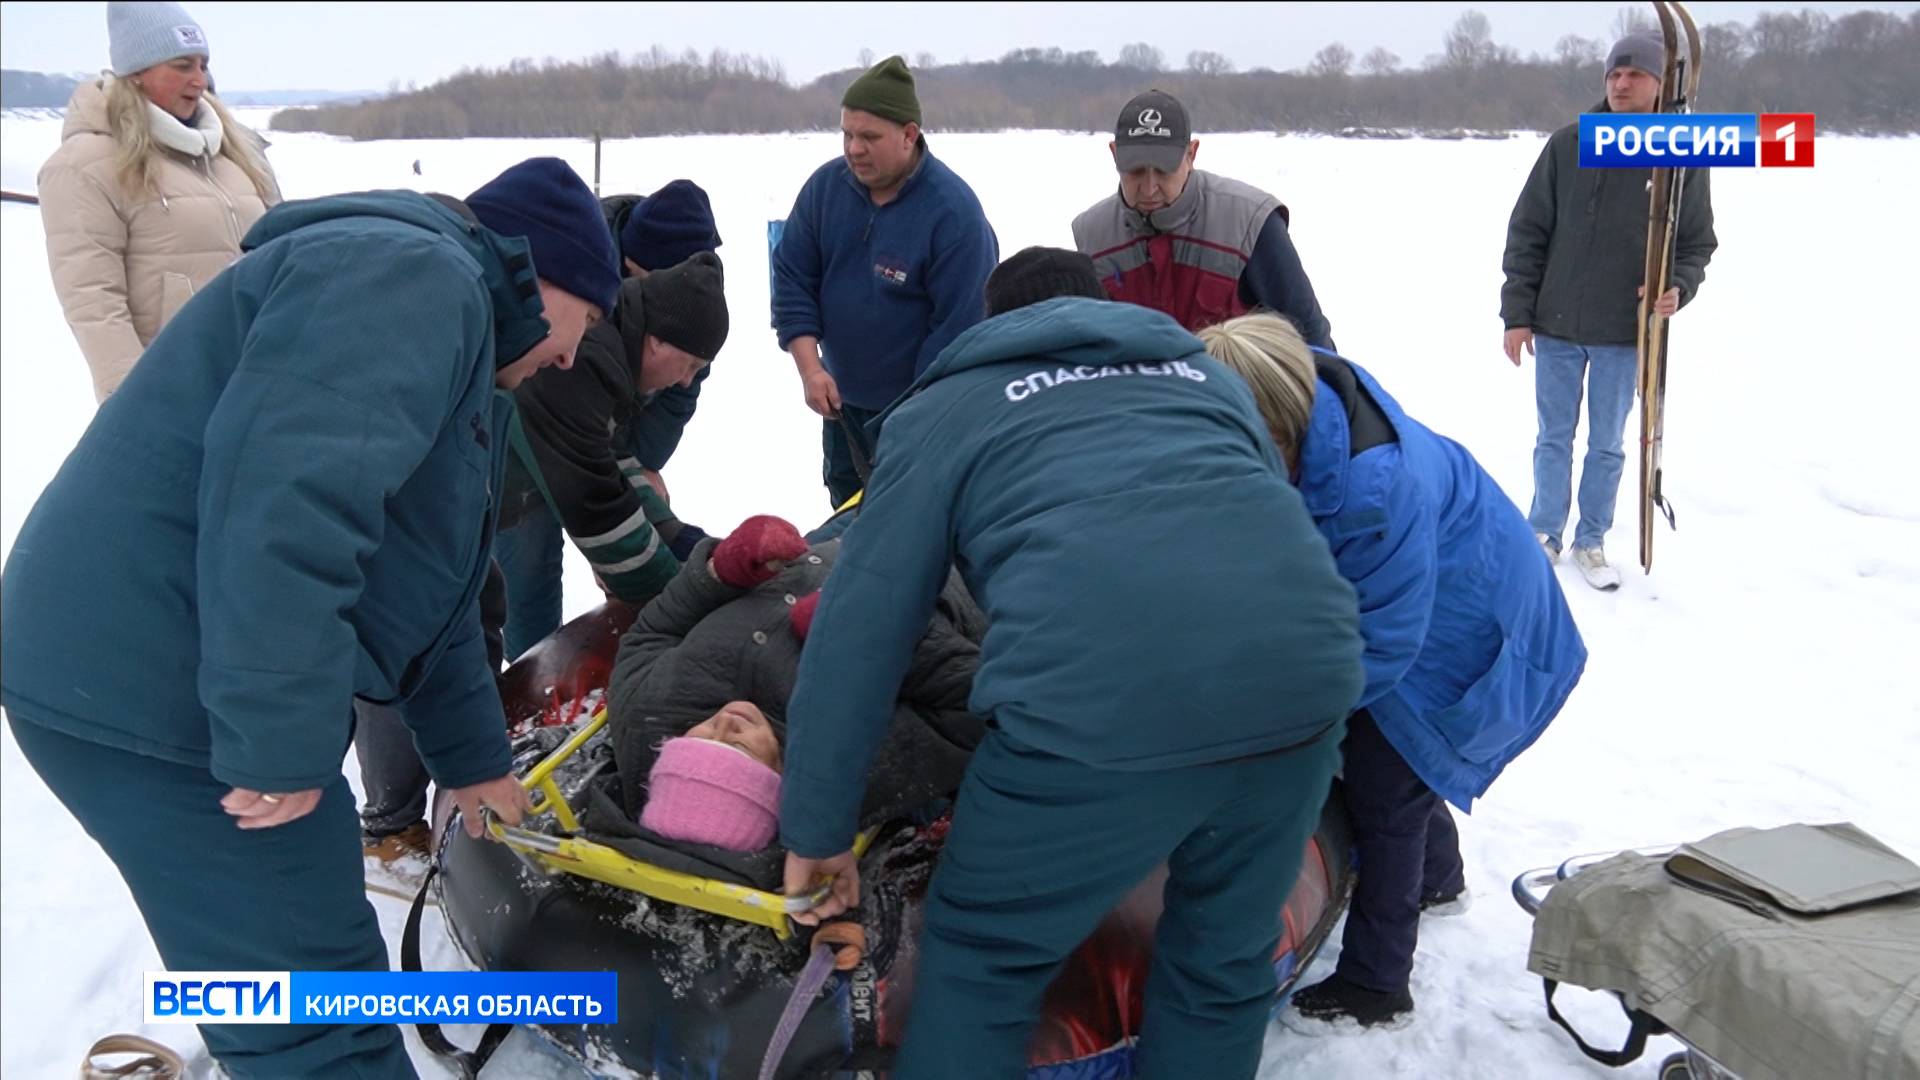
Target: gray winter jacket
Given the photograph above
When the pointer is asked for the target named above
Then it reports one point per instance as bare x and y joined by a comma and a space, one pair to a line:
1577, 241
703, 643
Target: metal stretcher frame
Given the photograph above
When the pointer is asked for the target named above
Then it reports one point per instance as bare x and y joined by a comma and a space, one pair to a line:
570, 853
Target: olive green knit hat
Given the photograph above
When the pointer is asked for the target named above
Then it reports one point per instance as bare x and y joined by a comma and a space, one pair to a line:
886, 91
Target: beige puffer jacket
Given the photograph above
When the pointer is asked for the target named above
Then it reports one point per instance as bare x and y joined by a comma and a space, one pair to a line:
122, 266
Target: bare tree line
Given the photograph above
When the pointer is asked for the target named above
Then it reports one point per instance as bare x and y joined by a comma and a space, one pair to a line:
1860, 73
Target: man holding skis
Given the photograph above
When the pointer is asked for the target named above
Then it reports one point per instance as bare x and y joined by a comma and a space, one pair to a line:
1575, 257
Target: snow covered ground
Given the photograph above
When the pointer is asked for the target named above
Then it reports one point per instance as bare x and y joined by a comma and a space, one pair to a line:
1756, 679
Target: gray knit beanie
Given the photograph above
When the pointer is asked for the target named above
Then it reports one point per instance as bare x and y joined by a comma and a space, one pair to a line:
1641, 50
141, 35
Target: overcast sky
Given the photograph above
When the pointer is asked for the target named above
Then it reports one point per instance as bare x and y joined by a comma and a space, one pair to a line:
367, 46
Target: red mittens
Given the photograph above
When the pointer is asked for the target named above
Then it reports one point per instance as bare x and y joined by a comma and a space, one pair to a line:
742, 559
801, 616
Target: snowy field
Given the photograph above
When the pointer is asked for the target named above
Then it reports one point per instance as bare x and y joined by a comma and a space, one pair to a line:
1755, 679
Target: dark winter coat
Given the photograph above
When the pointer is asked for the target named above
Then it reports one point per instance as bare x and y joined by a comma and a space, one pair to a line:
1471, 650
567, 455
884, 288
1155, 590
653, 433
288, 504
704, 643
1577, 242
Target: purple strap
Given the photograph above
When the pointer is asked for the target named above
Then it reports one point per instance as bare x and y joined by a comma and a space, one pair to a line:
805, 989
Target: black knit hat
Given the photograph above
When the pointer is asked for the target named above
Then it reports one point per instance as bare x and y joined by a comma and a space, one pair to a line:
686, 305
885, 90
1041, 273
544, 200
669, 226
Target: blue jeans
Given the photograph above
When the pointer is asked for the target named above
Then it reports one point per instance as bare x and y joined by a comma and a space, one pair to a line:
1610, 374
529, 555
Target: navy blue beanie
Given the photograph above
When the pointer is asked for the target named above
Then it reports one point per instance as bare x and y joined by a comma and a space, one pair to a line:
669, 227
544, 200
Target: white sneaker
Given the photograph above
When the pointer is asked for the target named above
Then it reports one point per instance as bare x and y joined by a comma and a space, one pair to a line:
1594, 567
1548, 545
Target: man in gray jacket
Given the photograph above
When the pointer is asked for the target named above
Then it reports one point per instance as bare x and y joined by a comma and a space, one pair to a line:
1576, 249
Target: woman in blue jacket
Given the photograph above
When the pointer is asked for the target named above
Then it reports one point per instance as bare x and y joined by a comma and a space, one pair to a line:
1470, 648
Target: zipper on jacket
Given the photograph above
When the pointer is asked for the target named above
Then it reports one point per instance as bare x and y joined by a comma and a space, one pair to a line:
233, 215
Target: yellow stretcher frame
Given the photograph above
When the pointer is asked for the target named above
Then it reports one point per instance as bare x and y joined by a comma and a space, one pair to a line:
599, 862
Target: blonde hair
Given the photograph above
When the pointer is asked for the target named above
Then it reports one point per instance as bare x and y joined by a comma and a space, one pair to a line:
1267, 352
127, 118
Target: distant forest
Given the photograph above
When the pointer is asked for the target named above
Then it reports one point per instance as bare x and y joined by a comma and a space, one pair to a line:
40, 90
35, 90
1860, 73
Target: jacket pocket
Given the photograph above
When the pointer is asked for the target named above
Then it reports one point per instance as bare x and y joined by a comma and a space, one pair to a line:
1215, 299
175, 291
1497, 710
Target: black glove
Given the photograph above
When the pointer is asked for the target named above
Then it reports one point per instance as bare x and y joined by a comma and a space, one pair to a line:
682, 539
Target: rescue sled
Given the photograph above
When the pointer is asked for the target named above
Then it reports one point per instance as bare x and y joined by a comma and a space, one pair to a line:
702, 940
1789, 952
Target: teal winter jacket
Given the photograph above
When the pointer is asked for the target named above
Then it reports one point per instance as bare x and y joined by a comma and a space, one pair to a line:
1155, 590
289, 503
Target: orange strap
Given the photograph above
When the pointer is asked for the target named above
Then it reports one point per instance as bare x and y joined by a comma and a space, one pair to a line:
849, 942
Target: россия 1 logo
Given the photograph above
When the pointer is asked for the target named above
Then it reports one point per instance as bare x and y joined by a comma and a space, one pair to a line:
1696, 140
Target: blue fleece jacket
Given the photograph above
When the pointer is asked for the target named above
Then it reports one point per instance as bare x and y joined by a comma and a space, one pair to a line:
884, 288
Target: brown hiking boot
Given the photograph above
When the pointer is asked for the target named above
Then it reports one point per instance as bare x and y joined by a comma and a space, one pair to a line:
411, 842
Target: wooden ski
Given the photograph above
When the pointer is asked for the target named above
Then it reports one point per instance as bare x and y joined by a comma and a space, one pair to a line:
1678, 87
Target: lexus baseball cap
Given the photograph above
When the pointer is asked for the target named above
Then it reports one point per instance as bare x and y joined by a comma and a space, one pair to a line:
1152, 132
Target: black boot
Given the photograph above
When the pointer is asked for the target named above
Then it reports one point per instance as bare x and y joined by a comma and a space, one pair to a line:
1335, 1000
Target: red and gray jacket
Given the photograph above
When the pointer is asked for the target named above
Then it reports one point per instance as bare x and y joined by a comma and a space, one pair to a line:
1220, 250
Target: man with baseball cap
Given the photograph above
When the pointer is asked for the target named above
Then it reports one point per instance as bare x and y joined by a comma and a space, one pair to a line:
1576, 246
1195, 245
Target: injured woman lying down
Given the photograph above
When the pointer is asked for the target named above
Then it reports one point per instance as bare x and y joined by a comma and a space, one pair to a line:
697, 702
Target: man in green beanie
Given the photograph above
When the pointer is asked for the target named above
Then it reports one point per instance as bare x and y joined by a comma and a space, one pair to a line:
881, 264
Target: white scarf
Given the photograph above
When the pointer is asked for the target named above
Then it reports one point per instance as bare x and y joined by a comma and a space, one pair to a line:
195, 138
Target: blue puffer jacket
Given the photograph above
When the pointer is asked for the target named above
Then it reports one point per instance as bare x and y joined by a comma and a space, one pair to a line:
1471, 650
884, 288
1155, 592
289, 503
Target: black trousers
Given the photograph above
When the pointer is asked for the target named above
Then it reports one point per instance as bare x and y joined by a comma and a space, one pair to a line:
1408, 848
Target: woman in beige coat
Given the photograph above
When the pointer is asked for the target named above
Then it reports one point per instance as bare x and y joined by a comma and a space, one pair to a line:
151, 189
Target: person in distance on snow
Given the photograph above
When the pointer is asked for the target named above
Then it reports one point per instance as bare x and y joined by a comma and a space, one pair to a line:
288, 504
1471, 650
1170, 661
1198, 246
1575, 259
